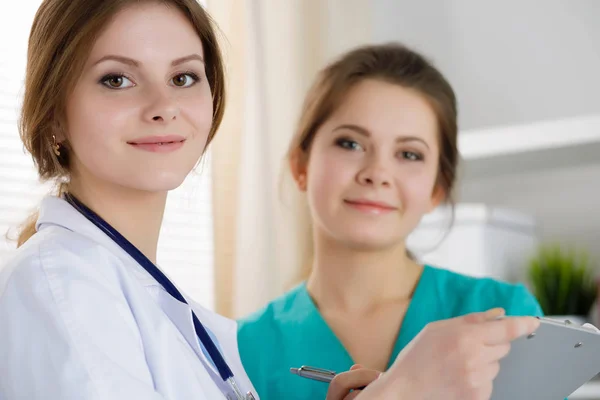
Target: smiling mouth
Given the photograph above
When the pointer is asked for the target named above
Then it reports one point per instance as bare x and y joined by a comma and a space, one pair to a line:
370, 207
158, 145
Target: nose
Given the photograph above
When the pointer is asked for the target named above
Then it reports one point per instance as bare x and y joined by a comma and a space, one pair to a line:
161, 108
374, 173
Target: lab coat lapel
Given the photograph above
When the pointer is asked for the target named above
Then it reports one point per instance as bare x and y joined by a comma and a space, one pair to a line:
57, 212
181, 316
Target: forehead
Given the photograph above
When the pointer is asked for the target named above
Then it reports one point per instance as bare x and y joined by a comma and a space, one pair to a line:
387, 109
149, 31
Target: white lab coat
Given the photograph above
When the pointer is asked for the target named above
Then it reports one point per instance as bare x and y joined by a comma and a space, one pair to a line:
80, 319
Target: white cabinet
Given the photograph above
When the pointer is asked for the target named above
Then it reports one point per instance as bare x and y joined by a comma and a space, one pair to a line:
480, 241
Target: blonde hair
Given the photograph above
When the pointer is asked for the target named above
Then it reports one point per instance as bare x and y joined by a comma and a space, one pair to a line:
62, 35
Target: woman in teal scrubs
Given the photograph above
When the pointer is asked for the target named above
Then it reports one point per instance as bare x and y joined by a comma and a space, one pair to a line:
375, 150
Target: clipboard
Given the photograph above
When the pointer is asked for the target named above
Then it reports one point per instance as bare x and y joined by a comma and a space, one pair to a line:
549, 364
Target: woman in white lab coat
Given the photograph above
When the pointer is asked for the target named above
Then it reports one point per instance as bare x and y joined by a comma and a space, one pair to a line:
121, 99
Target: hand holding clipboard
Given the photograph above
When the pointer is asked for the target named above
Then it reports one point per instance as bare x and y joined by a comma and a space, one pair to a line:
453, 359
484, 356
549, 364
458, 358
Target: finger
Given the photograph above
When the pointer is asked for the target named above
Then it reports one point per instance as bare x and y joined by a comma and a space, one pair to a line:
492, 354
355, 367
358, 378
352, 395
484, 392
591, 327
472, 318
508, 329
486, 375
341, 385
488, 315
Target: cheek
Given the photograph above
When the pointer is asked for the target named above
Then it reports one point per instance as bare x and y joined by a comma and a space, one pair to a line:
328, 174
197, 110
417, 190
100, 118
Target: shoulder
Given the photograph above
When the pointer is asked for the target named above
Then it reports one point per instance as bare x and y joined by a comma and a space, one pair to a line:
62, 273
56, 277
473, 294
53, 254
281, 310
62, 288
271, 327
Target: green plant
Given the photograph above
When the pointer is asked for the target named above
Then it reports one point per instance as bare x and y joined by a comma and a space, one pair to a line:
562, 281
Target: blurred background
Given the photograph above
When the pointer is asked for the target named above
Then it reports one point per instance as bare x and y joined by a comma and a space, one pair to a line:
236, 233
525, 76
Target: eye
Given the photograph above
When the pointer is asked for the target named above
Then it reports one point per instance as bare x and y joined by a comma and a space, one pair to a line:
411, 156
348, 144
185, 80
116, 81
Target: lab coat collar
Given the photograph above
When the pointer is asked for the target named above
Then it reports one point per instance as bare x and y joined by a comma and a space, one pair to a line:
55, 211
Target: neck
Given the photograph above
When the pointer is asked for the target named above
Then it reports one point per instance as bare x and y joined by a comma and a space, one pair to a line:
135, 214
348, 279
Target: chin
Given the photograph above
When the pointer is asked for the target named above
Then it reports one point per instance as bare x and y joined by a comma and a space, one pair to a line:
159, 183
364, 241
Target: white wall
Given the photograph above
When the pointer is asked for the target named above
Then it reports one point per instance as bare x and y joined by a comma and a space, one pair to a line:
510, 62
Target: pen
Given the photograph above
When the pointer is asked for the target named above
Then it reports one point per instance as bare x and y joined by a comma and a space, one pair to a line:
317, 374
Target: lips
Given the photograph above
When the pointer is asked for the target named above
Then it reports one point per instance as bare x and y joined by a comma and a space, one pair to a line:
370, 206
371, 203
158, 144
157, 140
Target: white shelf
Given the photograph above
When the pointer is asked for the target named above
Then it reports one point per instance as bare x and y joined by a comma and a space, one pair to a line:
529, 147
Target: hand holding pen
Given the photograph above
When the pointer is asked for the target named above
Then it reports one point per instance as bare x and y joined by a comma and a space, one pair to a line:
453, 359
348, 385
343, 386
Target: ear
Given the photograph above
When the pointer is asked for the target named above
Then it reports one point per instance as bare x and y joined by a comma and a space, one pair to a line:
59, 132
437, 197
298, 165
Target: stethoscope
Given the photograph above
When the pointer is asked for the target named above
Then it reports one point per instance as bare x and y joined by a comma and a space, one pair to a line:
211, 348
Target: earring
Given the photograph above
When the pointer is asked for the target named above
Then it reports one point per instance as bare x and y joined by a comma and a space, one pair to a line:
55, 146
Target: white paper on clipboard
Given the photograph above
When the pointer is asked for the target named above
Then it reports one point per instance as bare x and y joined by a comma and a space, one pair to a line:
549, 365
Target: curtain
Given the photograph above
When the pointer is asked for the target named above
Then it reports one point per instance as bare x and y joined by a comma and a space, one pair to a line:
273, 49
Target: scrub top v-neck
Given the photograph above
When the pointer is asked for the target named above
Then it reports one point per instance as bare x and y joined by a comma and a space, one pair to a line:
290, 331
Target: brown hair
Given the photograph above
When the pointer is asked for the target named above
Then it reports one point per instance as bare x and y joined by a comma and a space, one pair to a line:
62, 35
394, 63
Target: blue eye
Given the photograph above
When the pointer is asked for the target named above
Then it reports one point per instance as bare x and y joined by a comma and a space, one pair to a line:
348, 144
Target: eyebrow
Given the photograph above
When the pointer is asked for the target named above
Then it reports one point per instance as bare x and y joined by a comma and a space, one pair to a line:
365, 132
134, 63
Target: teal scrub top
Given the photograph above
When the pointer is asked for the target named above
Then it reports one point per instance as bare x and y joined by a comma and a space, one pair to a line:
290, 331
